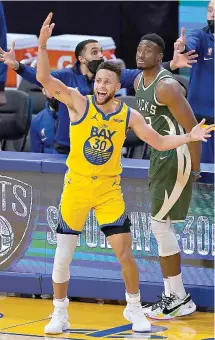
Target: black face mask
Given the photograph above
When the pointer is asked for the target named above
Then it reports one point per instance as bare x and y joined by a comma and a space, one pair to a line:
93, 65
211, 25
53, 103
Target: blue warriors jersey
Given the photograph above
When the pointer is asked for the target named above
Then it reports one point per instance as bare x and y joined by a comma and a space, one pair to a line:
96, 140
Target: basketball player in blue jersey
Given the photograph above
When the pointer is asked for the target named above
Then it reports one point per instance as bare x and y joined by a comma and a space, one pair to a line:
98, 126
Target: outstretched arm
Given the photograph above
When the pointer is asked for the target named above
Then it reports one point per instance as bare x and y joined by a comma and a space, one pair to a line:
26, 72
163, 143
69, 96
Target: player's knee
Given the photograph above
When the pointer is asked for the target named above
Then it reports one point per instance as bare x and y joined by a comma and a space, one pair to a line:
165, 237
159, 229
125, 256
63, 258
61, 271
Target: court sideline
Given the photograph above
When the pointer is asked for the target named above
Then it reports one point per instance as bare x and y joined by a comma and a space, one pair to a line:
25, 318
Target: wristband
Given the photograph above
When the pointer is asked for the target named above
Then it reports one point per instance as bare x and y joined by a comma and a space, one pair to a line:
21, 68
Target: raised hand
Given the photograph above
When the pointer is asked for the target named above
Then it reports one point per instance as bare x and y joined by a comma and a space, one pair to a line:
180, 43
183, 60
200, 133
46, 29
9, 58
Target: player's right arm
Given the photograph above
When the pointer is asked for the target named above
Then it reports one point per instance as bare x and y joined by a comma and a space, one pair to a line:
69, 96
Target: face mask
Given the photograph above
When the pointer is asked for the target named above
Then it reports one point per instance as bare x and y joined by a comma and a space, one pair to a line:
53, 103
93, 65
211, 25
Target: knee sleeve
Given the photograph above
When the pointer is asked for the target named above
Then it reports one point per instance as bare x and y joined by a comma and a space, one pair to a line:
63, 256
165, 236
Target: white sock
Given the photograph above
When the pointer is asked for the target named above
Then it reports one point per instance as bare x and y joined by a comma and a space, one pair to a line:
60, 300
134, 295
133, 300
177, 286
167, 288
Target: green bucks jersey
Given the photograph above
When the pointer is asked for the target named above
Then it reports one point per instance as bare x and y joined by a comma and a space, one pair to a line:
170, 181
156, 114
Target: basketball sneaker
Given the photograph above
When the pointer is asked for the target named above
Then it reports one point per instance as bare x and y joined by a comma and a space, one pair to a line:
59, 321
171, 307
147, 308
134, 314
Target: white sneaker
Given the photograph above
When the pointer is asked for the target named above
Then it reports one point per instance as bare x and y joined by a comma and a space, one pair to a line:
59, 321
158, 306
134, 313
173, 307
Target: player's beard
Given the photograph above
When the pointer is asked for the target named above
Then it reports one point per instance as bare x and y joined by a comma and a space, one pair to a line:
106, 100
145, 67
141, 68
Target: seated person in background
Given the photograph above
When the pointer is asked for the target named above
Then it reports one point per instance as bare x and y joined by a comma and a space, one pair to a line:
43, 127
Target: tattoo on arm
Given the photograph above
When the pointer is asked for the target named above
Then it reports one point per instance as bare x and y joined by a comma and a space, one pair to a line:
57, 92
43, 47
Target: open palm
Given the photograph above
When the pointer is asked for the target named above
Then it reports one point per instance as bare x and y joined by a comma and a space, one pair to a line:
8, 58
185, 59
46, 29
200, 133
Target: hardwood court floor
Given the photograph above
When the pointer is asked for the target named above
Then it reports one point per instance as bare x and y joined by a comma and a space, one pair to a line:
24, 319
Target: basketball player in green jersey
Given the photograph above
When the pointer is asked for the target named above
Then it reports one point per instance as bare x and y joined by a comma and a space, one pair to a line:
162, 102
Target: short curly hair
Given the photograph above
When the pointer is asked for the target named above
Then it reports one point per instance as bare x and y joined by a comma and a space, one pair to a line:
108, 65
155, 38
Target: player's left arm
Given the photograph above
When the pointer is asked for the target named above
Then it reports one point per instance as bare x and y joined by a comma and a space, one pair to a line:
168, 92
138, 124
163, 143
